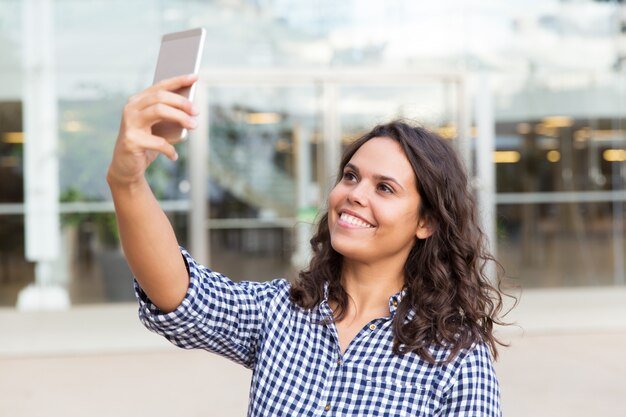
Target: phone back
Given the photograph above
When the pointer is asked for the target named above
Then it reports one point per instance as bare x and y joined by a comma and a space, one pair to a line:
179, 54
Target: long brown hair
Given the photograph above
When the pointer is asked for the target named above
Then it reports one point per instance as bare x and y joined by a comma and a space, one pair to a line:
449, 298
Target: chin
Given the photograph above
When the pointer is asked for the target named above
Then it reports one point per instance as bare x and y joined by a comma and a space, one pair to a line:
349, 251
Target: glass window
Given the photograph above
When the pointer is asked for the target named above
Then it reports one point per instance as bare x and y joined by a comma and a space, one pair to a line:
558, 244
259, 138
560, 178
558, 94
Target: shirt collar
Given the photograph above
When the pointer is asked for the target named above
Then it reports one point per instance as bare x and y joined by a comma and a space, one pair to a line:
323, 311
394, 301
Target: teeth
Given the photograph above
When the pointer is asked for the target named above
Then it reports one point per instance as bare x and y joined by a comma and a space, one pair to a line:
354, 221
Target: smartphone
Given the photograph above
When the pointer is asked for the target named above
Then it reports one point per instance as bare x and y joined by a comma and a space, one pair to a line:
180, 54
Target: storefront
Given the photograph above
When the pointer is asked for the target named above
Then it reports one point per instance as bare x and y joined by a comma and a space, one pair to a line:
531, 96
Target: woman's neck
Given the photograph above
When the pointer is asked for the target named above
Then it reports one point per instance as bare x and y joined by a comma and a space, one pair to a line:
369, 287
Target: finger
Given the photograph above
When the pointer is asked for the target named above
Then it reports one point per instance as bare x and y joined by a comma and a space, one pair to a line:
156, 144
160, 112
170, 84
174, 83
167, 98
166, 148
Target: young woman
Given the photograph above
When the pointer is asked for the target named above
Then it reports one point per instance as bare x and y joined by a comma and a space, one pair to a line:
394, 315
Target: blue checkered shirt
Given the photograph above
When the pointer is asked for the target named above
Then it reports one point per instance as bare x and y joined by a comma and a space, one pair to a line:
298, 369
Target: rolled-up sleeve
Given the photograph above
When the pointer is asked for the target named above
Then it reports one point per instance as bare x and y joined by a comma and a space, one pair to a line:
475, 390
216, 314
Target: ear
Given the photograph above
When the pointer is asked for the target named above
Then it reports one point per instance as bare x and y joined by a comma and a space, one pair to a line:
425, 228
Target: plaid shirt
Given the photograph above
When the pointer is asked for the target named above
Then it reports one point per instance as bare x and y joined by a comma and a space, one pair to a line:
298, 369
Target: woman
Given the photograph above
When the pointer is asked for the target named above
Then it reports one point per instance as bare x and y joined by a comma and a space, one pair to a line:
394, 315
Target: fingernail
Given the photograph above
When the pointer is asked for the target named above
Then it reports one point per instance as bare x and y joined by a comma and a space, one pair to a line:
175, 156
194, 110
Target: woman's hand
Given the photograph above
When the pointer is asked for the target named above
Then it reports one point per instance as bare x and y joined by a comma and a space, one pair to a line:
136, 146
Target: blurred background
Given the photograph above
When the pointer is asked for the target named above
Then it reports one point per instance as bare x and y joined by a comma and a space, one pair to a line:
532, 93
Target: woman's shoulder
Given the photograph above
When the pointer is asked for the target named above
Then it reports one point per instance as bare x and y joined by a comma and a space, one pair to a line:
203, 278
274, 288
477, 354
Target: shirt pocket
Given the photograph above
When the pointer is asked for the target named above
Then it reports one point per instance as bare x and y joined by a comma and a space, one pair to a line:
399, 397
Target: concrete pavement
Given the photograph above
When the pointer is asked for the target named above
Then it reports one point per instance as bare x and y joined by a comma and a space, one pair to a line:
565, 359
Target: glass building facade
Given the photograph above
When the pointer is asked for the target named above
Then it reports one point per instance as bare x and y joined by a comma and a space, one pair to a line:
283, 87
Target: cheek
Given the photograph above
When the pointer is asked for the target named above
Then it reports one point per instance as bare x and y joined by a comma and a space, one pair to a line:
333, 201
412, 217
404, 221
334, 197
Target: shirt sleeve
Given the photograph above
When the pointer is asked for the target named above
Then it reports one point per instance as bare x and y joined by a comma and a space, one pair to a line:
475, 389
216, 314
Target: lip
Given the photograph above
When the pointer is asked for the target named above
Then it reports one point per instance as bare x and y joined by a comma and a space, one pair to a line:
353, 214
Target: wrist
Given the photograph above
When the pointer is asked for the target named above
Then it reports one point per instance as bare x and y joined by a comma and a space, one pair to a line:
117, 181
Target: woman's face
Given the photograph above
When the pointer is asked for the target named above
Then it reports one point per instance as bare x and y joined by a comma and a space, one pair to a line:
373, 212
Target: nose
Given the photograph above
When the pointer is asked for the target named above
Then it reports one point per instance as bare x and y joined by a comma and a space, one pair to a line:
358, 194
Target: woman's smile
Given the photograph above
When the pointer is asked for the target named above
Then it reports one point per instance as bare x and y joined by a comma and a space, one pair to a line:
353, 221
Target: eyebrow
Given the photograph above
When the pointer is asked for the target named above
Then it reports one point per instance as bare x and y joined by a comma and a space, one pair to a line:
376, 176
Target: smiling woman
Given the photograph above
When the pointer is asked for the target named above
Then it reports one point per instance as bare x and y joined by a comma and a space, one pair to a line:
422, 240
394, 314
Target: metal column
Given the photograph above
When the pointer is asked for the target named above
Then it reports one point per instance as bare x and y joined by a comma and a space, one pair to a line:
41, 160
485, 167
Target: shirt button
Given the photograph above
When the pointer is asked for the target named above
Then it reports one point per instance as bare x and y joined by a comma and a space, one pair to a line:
327, 408
372, 327
338, 361
395, 303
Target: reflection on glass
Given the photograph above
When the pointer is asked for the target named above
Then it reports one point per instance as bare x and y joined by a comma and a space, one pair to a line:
87, 134
15, 272
253, 254
262, 166
11, 153
554, 245
92, 260
255, 163
558, 154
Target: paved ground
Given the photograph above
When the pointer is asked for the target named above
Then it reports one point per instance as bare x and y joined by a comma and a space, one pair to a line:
569, 375
99, 362
561, 375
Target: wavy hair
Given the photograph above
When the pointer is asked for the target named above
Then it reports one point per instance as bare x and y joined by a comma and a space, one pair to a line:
450, 300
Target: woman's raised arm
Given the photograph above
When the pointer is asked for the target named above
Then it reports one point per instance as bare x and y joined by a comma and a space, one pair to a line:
148, 240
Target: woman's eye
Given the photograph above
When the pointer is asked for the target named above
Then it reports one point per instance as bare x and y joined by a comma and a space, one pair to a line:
349, 176
385, 188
